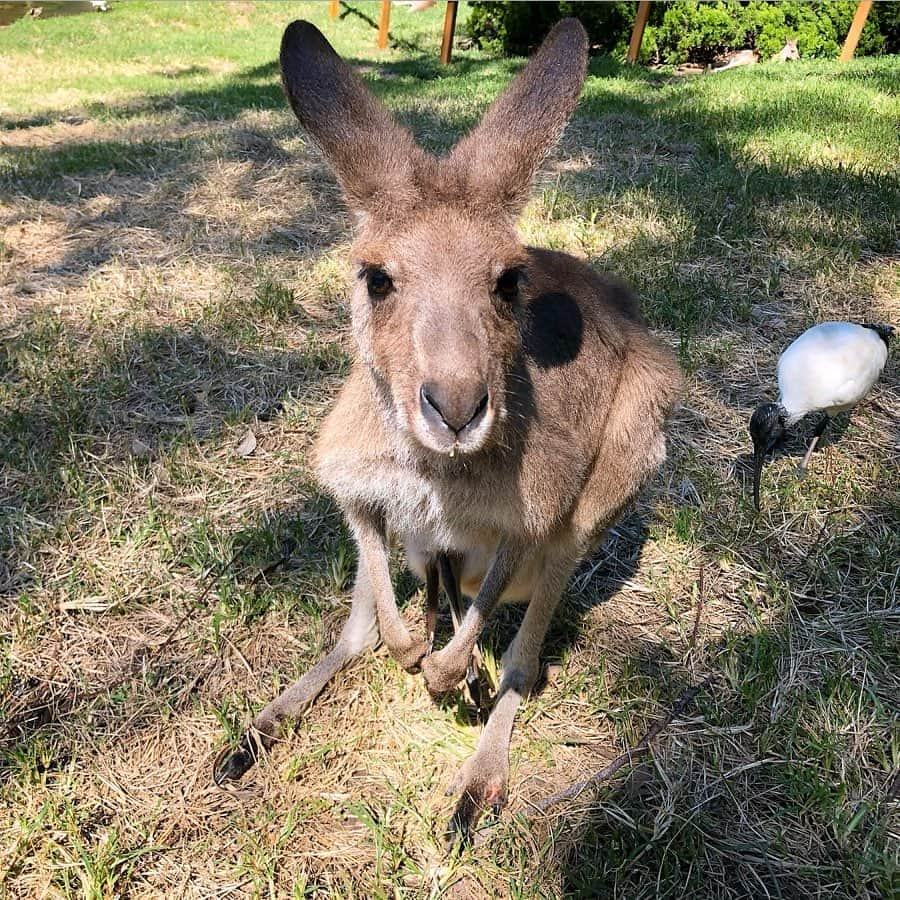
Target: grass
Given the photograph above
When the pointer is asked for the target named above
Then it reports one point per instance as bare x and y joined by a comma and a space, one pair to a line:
173, 265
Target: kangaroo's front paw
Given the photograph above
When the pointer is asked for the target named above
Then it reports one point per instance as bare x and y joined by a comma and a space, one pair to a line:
483, 783
409, 655
443, 671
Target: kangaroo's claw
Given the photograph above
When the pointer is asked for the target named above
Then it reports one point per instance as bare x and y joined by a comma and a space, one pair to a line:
233, 766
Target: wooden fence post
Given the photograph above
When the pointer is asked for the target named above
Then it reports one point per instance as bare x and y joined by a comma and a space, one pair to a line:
859, 20
449, 28
637, 33
383, 24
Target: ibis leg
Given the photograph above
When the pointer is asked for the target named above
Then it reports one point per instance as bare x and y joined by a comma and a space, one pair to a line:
450, 579
820, 430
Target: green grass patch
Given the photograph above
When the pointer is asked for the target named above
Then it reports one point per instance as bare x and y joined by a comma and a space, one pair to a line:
173, 272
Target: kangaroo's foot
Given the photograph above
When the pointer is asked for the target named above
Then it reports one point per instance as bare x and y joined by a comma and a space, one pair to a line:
359, 633
233, 765
445, 669
482, 783
410, 655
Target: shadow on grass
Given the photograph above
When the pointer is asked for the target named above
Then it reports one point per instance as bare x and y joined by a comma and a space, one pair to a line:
159, 387
778, 782
663, 147
263, 565
702, 820
115, 422
149, 206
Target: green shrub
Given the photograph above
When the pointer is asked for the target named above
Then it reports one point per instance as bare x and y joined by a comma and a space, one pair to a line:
691, 31
698, 32
484, 27
767, 28
887, 21
608, 24
820, 28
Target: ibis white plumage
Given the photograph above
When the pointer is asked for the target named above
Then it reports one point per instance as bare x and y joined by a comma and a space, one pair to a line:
827, 370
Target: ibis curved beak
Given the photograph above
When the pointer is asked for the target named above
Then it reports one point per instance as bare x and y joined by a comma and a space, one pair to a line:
759, 455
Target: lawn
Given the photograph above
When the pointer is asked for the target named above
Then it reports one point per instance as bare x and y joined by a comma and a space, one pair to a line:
172, 271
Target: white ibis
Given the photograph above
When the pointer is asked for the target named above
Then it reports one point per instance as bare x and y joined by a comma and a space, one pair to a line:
828, 369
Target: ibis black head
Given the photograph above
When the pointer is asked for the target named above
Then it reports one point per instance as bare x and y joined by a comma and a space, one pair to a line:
885, 332
767, 426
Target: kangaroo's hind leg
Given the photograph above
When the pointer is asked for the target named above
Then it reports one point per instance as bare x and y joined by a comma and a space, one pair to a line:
360, 632
431, 603
482, 782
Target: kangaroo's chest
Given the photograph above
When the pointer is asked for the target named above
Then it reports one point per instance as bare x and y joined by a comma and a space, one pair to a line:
448, 514
463, 518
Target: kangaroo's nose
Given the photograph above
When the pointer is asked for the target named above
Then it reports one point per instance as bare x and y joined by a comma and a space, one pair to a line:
454, 406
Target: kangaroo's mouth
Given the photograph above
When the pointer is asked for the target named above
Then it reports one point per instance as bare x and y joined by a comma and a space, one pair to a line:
471, 436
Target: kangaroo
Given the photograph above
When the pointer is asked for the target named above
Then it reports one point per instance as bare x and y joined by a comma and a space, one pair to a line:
750, 57
505, 403
787, 53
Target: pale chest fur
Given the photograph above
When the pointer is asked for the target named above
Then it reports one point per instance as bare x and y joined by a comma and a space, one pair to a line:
365, 463
408, 500
465, 509
428, 516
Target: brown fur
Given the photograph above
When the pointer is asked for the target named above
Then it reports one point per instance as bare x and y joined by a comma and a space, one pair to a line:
575, 392
750, 57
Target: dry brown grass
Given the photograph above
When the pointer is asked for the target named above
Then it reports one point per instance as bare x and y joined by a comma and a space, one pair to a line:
171, 279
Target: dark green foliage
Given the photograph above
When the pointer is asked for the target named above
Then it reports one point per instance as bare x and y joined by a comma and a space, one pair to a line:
689, 31
608, 24
887, 19
699, 32
518, 28
485, 25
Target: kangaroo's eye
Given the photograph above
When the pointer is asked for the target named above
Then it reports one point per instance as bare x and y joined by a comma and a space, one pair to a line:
378, 283
507, 287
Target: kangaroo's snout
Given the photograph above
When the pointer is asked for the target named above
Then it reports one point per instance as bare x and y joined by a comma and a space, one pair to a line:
455, 413
457, 405
451, 385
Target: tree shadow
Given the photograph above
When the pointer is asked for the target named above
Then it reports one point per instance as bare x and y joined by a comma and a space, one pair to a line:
722, 191
160, 387
266, 560
393, 40
159, 216
707, 813
684, 823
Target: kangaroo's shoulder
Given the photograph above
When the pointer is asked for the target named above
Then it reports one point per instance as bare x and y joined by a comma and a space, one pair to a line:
597, 294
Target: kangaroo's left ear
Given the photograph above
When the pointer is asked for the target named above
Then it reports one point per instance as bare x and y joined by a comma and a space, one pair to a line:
497, 161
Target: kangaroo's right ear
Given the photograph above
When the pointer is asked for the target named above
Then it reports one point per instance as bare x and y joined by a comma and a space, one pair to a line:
498, 160
374, 158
